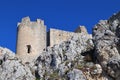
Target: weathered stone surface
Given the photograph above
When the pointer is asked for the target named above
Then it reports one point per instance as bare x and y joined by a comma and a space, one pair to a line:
61, 58
56, 36
97, 70
106, 36
76, 74
31, 39
81, 29
81, 57
11, 68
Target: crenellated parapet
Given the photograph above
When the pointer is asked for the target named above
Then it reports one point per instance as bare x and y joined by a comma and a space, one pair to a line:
31, 39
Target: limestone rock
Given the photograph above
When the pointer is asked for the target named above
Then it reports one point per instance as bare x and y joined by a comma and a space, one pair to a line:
106, 36
11, 68
76, 74
97, 70
61, 58
81, 57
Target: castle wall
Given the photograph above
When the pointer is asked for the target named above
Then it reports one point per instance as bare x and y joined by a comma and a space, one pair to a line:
31, 39
58, 36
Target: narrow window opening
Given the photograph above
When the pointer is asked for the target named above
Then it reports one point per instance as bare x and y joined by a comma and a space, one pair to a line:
28, 48
59, 34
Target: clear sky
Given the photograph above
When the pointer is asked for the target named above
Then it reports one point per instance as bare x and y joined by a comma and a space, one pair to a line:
60, 14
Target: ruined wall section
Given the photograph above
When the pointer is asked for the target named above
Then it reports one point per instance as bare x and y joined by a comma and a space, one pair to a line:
81, 29
31, 39
58, 36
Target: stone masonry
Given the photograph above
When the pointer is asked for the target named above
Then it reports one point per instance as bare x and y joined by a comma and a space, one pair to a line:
57, 36
81, 29
31, 39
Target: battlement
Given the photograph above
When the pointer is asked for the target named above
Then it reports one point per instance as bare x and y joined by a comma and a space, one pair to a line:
26, 21
40, 21
32, 38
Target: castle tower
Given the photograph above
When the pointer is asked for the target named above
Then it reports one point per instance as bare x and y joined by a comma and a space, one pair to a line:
81, 29
31, 39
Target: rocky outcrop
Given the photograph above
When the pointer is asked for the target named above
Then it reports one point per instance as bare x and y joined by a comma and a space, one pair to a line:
11, 68
61, 61
76, 74
106, 36
82, 57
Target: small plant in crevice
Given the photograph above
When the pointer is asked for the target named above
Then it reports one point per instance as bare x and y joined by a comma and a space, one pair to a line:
54, 75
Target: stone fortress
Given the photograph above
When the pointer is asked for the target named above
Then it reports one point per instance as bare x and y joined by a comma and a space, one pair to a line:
32, 38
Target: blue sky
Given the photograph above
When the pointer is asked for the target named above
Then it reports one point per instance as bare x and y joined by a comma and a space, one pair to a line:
60, 14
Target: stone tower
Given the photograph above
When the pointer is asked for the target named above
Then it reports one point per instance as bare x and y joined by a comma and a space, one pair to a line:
81, 29
31, 39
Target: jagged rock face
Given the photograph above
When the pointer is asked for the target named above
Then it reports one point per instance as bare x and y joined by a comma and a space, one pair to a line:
66, 61
11, 68
80, 58
76, 74
106, 37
